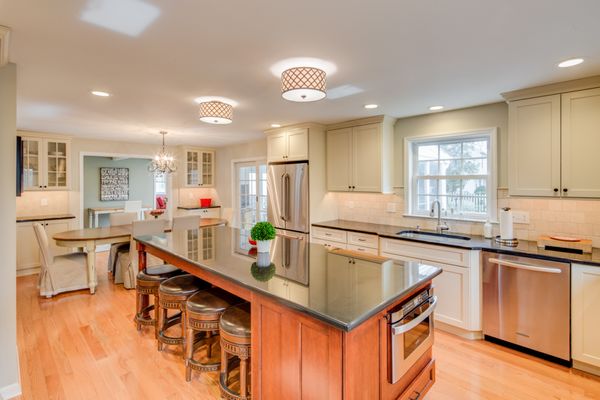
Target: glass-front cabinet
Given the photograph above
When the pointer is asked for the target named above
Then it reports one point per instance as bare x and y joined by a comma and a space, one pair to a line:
199, 168
46, 163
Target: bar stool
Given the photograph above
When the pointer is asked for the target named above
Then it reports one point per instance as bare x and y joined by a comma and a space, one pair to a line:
234, 329
172, 295
146, 285
203, 312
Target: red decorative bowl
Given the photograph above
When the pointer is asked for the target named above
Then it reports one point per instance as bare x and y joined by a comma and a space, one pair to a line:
205, 202
252, 242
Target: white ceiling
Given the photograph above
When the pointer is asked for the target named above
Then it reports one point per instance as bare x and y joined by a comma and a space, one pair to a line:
404, 54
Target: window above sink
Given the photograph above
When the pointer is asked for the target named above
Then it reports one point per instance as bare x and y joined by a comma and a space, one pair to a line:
458, 169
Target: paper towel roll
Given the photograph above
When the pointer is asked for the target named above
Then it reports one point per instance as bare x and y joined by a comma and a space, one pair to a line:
506, 224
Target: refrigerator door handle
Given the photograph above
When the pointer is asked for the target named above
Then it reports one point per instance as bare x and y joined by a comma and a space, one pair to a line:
527, 267
286, 190
284, 200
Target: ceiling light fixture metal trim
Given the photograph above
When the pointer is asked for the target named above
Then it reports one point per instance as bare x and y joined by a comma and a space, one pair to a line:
216, 112
303, 84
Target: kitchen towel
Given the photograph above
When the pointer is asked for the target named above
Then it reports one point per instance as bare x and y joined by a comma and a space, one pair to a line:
506, 224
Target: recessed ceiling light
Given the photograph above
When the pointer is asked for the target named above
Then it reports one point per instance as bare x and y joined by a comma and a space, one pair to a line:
435, 108
570, 62
275, 125
100, 93
371, 106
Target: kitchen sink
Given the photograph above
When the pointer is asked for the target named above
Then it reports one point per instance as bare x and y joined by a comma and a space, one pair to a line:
430, 235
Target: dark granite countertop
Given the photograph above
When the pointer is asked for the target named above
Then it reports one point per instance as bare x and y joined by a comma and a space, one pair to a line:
35, 218
525, 247
340, 288
195, 207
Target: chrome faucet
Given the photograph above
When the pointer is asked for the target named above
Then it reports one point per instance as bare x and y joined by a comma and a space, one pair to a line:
441, 225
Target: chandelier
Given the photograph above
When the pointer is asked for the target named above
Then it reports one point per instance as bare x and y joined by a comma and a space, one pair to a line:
303, 84
163, 162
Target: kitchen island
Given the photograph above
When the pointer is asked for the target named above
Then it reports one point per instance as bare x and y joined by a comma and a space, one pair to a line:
319, 317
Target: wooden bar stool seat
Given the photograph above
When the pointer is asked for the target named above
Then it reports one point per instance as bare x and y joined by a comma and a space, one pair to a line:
172, 295
203, 312
147, 283
234, 329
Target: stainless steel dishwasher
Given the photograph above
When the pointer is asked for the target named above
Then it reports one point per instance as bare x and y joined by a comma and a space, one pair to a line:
526, 302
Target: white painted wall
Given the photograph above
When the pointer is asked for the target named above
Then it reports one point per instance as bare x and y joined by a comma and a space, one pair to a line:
9, 364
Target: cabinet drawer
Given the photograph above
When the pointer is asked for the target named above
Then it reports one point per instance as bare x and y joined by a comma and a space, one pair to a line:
363, 240
421, 385
328, 243
442, 254
363, 249
332, 235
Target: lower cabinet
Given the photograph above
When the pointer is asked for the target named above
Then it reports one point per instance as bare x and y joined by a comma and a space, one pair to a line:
585, 318
354, 241
458, 288
28, 250
214, 212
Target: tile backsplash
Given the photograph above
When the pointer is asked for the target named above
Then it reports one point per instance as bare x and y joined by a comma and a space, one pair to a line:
567, 217
42, 203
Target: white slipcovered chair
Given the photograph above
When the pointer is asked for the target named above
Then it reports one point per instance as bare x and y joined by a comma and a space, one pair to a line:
127, 266
116, 219
134, 206
186, 222
59, 273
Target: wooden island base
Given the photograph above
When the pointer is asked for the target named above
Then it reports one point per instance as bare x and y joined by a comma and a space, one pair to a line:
297, 356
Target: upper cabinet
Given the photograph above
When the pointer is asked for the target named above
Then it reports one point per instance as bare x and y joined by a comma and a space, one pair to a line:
46, 163
359, 156
287, 144
552, 143
199, 168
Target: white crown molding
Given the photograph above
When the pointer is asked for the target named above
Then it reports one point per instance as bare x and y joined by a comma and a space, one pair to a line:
4, 44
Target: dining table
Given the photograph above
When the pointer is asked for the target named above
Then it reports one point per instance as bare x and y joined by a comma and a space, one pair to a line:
88, 239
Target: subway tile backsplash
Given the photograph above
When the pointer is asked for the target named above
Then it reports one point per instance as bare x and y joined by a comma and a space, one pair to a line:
568, 217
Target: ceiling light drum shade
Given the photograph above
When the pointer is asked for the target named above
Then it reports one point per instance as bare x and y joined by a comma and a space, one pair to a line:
216, 112
303, 84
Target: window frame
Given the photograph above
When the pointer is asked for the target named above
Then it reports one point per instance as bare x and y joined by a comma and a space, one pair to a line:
410, 144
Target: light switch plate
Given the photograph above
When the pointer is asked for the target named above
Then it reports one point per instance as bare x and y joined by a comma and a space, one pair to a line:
350, 204
44, 202
520, 217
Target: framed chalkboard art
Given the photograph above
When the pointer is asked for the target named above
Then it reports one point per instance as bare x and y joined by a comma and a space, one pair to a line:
114, 184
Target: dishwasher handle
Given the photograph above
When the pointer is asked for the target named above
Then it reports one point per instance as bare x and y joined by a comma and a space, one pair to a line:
399, 329
518, 265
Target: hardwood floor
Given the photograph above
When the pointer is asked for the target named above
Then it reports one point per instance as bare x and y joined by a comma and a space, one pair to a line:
78, 346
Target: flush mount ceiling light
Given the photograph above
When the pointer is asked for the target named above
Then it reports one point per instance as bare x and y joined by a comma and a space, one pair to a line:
163, 162
371, 106
303, 84
216, 112
100, 93
570, 62
436, 108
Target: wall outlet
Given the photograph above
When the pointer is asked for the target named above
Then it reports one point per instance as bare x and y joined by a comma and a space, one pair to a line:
390, 207
520, 217
350, 204
44, 202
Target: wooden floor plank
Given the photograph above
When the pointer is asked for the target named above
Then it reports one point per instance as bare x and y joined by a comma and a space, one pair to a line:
78, 346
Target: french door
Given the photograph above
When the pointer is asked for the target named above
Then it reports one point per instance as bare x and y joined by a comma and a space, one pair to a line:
251, 184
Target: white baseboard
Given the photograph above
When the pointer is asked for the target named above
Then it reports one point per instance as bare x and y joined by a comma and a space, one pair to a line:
28, 271
470, 335
10, 391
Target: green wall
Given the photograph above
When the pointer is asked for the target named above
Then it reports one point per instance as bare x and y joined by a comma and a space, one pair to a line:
141, 183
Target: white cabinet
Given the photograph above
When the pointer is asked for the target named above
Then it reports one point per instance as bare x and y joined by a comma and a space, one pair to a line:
46, 163
580, 143
552, 145
534, 124
289, 290
458, 287
585, 318
359, 158
355, 241
288, 145
214, 212
199, 168
28, 250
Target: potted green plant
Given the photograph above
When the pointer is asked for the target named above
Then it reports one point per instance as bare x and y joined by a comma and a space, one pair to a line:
263, 233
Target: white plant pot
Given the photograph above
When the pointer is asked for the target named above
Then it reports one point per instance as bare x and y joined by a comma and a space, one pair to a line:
263, 259
263, 246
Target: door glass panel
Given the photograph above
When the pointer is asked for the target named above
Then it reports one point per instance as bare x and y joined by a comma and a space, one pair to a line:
252, 197
417, 335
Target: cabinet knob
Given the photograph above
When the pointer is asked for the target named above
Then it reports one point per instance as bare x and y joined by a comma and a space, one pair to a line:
565, 190
555, 190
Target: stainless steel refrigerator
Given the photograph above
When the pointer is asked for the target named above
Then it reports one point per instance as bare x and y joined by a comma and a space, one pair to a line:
287, 188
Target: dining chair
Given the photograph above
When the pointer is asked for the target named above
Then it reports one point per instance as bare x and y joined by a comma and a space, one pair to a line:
127, 268
134, 206
59, 274
186, 222
116, 219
